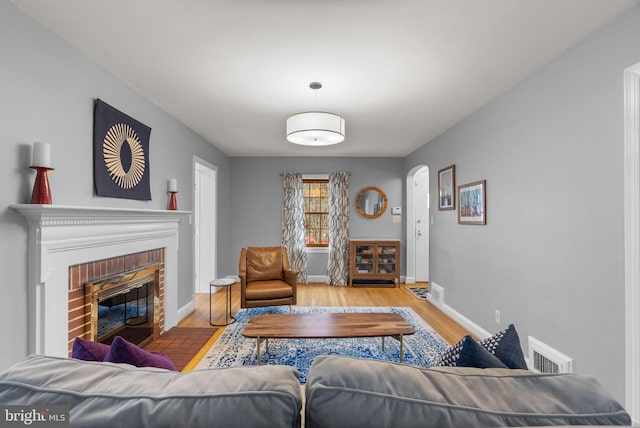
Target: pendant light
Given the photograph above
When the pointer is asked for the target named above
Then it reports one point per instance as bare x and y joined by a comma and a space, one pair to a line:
315, 128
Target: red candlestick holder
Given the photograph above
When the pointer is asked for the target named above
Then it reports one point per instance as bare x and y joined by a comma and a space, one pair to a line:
41, 191
173, 203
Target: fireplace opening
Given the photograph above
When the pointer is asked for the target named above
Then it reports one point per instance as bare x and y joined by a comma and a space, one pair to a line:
125, 305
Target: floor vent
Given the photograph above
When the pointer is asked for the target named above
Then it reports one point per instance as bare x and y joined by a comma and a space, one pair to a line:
436, 294
545, 359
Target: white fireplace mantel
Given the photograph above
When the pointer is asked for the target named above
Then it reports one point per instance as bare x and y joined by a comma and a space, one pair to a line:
62, 236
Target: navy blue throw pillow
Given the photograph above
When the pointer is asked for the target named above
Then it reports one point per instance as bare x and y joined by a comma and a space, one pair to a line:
505, 345
468, 353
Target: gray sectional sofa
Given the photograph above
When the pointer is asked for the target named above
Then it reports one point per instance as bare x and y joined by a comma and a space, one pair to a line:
340, 392
120, 395
348, 392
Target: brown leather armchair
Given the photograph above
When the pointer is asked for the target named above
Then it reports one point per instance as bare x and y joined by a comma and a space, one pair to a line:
266, 279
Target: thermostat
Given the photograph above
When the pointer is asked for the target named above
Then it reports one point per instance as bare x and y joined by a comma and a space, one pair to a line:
396, 210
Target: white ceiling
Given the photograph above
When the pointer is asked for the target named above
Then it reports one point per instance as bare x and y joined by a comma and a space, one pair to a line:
400, 72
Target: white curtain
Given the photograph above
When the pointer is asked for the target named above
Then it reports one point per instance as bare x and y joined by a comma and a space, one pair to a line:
338, 264
293, 231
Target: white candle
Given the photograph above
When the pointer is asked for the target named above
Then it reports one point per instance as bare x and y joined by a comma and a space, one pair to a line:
41, 154
173, 185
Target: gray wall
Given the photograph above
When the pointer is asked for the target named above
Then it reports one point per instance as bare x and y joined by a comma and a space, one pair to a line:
550, 258
48, 90
256, 199
551, 255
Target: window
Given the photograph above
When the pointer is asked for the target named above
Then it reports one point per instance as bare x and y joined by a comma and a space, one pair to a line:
316, 212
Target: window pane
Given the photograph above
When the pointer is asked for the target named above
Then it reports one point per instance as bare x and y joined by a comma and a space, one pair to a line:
324, 236
316, 206
324, 205
324, 190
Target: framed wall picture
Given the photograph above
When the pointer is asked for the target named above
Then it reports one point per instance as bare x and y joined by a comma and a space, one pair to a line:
447, 188
120, 154
472, 203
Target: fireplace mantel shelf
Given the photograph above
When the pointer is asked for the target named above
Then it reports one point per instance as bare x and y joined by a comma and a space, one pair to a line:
63, 236
65, 214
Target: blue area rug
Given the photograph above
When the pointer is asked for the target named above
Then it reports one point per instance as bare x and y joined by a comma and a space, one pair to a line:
232, 349
421, 293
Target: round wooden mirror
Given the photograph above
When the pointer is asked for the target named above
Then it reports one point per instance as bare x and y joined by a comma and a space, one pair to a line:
371, 202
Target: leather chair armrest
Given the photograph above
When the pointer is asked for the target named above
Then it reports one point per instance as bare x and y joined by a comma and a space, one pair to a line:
243, 289
242, 263
291, 277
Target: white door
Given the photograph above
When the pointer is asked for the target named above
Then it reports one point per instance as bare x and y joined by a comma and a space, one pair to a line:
421, 201
204, 225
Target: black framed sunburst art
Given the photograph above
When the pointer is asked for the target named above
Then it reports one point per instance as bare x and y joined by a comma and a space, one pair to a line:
120, 154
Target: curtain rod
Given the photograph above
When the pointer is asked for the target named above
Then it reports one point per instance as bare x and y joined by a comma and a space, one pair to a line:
314, 173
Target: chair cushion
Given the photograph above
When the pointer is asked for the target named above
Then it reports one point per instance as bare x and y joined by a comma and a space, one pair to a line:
264, 264
266, 290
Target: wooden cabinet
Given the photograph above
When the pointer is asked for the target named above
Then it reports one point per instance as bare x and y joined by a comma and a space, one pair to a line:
374, 263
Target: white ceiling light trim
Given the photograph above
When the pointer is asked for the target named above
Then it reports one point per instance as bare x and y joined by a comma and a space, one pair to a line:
315, 128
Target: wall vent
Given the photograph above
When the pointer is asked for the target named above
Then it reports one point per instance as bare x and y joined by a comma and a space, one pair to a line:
544, 359
436, 294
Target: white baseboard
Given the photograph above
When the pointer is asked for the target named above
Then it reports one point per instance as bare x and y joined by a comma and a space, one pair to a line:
184, 311
465, 322
410, 280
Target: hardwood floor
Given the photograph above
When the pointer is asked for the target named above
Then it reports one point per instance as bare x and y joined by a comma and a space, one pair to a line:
319, 294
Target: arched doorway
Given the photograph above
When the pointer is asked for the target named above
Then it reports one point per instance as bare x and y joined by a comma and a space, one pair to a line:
417, 259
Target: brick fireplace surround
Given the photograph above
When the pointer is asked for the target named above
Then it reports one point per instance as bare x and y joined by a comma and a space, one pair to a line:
80, 299
69, 246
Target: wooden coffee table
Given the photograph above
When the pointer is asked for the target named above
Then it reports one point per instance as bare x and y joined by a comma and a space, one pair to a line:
327, 325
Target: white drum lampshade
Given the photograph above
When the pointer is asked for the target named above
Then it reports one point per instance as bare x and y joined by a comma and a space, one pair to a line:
315, 128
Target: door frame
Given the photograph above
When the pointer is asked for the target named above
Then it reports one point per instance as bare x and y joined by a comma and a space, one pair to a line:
201, 164
410, 264
632, 238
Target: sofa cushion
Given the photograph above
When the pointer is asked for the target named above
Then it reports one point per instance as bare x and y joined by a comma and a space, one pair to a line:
468, 353
505, 345
88, 350
120, 395
349, 392
122, 351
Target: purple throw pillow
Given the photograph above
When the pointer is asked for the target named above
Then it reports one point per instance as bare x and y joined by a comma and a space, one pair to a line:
126, 352
89, 350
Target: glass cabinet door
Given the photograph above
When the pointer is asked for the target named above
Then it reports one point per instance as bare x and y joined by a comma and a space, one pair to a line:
387, 259
364, 258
